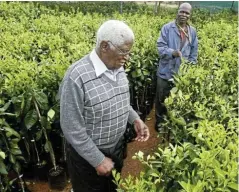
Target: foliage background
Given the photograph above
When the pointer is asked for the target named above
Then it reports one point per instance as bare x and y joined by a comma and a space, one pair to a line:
40, 40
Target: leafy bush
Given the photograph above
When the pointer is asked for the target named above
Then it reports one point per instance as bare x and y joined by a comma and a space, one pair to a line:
40, 40
202, 120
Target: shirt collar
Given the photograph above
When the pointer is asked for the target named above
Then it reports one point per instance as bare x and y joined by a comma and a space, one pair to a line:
99, 66
188, 27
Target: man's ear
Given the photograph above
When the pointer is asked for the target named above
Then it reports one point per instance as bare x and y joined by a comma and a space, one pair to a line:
104, 46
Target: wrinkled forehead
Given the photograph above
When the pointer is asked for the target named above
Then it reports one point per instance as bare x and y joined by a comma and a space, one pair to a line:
185, 9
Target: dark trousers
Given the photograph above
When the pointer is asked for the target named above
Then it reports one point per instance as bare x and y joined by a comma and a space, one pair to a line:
84, 177
163, 89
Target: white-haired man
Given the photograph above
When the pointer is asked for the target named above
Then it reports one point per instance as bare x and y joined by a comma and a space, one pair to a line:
95, 108
177, 39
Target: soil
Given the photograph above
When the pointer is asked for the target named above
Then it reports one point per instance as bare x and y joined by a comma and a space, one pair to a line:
131, 167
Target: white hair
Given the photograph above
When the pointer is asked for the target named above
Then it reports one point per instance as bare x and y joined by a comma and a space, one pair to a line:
115, 31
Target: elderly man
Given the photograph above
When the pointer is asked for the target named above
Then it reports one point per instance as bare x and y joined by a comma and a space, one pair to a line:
177, 40
95, 108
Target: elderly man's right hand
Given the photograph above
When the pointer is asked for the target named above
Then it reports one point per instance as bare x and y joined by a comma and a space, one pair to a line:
105, 167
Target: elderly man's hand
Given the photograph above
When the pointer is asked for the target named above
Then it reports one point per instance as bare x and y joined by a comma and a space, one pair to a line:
142, 130
177, 53
105, 167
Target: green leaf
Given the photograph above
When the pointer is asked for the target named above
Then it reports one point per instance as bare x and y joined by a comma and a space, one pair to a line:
22, 104
154, 174
2, 155
5, 107
140, 154
16, 151
180, 94
139, 83
50, 114
138, 72
17, 167
139, 64
220, 173
46, 124
39, 135
10, 132
174, 90
12, 159
233, 186
15, 140
3, 169
180, 121
42, 100
30, 119
185, 186
146, 72
20, 158
27, 106
13, 145
134, 74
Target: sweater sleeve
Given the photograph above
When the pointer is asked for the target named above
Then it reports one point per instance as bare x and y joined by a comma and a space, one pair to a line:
132, 115
73, 123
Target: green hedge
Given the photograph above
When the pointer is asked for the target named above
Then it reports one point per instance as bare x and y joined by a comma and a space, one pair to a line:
39, 41
202, 120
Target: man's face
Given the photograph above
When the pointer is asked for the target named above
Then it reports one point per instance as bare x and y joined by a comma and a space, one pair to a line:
183, 14
118, 55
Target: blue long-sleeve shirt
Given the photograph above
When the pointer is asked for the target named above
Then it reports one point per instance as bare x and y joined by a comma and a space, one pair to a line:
169, 41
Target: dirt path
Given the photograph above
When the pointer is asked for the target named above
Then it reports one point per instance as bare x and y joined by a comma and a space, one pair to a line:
132, 167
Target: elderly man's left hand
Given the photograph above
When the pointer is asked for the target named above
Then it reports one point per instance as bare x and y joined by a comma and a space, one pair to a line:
142, 130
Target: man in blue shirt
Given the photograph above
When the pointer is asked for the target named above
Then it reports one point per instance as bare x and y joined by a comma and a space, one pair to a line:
177, 40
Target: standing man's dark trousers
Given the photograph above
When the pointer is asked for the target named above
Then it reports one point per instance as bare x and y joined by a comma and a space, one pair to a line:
84, 177
163, 89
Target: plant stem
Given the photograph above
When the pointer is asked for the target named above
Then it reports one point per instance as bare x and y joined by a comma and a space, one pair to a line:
27, 147
35, 147
46, 137
21, 182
